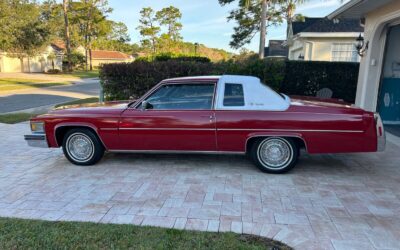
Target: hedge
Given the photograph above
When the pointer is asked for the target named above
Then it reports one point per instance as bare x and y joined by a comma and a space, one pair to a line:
125, 80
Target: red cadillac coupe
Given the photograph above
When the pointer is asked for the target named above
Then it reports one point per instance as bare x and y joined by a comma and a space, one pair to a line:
211, 114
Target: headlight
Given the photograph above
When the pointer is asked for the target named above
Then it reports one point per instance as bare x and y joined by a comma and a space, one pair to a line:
37, 127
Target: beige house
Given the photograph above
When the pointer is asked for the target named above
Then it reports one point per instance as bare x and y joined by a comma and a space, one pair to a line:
321, 39
106, 56
51, 55
379, 78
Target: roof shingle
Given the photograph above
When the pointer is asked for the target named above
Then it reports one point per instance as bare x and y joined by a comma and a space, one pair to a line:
326, 25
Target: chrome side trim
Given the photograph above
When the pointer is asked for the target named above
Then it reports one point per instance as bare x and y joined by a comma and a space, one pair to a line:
108, 129
175, 152
245, 129
282, 135
36, 140
185, 129
295, 130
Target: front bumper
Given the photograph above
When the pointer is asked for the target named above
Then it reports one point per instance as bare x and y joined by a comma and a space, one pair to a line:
37, 140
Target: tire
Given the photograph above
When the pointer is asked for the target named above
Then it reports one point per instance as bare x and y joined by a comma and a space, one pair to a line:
82, 147
285, 150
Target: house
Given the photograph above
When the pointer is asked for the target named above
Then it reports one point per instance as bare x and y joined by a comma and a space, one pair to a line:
276, 49
378, 88
51, 55
322, 39
106, 56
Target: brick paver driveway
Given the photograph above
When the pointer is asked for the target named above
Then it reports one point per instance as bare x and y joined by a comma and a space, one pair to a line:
327, 202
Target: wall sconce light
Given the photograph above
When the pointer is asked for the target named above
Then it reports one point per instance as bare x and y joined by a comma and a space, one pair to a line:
361, 45
301, 57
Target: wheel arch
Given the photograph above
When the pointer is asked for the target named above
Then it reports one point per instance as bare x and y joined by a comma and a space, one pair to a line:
297, 138
61, 129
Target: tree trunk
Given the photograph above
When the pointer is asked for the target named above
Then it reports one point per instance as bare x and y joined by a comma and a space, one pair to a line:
67, 36
263, 28
29, 65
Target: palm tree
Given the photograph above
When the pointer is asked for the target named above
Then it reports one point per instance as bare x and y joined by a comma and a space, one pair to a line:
288, 9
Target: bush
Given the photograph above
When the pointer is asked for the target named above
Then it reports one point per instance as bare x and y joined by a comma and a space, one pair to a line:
53, 71
121, 81
306, 78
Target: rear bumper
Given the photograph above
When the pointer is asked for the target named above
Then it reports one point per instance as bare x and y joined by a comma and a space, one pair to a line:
37, 140
380, 133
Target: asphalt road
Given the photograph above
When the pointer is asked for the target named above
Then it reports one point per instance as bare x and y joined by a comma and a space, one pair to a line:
41, 97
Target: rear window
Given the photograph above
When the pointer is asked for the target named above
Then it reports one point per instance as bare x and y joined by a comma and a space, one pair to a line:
233, 95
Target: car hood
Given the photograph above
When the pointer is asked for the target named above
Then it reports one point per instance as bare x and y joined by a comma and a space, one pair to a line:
89, 108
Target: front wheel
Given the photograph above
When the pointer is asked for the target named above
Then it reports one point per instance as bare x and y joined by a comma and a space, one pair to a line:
82, 147
274, 154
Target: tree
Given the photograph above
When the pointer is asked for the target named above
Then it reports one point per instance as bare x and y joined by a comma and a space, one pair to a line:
148, 30
252, 16
67, 34
23, 30
288, 12
170, 17
116, 39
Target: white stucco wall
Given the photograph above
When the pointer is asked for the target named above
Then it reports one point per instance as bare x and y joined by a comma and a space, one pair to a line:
315, 48
376, 26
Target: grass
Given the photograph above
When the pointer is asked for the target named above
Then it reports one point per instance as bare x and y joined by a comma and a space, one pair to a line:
15, 117
7, 84
80, 74
80, 101
34, 234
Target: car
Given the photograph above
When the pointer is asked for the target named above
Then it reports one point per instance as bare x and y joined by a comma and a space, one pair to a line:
211, 114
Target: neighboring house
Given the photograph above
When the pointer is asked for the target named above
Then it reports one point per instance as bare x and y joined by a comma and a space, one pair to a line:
105, 56
276, 49
378, 86
321, 39
51, 55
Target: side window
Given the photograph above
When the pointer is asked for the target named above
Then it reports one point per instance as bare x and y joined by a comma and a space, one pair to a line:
233, 95
182, 97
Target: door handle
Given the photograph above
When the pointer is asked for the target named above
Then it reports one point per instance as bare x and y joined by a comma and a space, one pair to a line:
211, 117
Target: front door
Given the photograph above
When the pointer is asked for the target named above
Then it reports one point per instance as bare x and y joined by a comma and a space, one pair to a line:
177, 116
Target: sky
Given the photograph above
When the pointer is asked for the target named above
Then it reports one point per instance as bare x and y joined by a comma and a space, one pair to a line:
204, 21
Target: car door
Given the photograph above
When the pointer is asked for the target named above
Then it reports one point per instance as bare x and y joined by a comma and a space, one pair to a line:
177, 117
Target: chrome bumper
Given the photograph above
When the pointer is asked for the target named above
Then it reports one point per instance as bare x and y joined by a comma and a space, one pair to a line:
380, 133
36, 140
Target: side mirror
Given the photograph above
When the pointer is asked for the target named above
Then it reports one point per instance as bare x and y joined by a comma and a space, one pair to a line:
146, 105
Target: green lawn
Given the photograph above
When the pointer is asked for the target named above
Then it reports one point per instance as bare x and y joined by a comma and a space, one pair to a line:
7, 84
80, 101
15, 117
33, 234
80, 74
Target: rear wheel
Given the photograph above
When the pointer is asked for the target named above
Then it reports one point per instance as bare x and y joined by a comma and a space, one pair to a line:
274, 154
82, 147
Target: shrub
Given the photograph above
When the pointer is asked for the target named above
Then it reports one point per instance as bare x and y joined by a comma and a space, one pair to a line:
121, 81
53, 71
306, 78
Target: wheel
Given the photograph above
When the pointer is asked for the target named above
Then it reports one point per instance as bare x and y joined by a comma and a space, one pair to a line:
82, 147
274, 154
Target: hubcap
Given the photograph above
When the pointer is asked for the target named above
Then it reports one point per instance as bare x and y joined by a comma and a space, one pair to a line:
275, 153
80, 147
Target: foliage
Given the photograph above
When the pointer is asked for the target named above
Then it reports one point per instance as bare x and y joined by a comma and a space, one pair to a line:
148, 29
25, 27
170, 17
77, 60
54, 71
306, 78
121, 81
34, 234
248, 18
